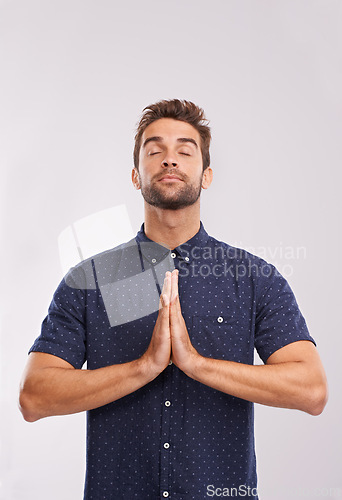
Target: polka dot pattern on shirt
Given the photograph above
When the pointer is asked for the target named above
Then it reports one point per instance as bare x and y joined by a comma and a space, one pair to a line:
174, 436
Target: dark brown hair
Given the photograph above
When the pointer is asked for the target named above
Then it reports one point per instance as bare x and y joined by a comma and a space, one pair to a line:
182, 110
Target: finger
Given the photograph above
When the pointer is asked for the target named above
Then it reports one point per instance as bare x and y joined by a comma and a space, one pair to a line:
175, 308
167, 285
164, 300
175, 302
166, 291
163, 319
174, 286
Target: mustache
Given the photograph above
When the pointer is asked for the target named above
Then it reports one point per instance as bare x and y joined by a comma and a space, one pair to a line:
173, 171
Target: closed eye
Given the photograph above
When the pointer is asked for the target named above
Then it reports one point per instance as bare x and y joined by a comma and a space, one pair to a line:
155, 153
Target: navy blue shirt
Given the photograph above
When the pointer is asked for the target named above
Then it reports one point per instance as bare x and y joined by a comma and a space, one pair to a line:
175, 437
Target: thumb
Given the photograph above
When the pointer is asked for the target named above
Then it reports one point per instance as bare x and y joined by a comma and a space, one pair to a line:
164, 300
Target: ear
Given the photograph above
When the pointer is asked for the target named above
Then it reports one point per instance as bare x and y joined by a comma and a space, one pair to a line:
207, 177
135, 178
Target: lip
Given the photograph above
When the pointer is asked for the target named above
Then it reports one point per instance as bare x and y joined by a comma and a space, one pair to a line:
170, 178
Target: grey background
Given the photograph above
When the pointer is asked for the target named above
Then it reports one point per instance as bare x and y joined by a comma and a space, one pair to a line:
75, 76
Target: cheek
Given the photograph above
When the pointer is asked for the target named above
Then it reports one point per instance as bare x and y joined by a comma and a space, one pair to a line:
146, 174
196, 171
196, 163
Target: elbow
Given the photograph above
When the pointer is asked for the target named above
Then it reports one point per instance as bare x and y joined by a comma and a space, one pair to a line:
27, 407
317, 399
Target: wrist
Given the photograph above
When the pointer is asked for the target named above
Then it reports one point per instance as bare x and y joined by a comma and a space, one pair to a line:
195, 365
147, 369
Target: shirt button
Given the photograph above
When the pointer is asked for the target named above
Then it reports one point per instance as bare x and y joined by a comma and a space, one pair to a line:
173, 255
154, 261
220, 319
165, 494
166, 445
187, 259
167, 403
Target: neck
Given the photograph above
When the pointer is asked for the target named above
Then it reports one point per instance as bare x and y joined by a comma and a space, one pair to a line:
171, 228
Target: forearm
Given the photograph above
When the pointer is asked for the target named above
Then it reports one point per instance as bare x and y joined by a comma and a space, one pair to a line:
52, 386
61, 391
286, 385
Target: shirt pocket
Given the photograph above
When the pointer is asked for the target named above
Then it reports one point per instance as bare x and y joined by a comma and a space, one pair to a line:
222, 337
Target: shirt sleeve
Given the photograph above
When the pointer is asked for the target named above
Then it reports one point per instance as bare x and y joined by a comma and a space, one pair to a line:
279, 321
63, 331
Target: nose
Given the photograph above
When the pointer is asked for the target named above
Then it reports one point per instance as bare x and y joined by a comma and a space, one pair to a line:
169, 160
165, 163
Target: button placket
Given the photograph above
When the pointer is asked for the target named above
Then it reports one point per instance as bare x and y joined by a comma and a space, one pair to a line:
165, 456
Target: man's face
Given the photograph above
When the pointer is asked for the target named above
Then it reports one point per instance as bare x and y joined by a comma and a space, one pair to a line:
170, 164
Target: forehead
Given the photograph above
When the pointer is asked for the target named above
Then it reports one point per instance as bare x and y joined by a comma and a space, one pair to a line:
170, 129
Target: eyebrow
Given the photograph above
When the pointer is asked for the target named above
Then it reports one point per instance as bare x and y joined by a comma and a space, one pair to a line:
157, 138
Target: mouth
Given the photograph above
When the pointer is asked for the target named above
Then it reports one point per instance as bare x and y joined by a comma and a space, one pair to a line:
170, 178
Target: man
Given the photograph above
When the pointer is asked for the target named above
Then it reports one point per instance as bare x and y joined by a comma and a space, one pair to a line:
168, 324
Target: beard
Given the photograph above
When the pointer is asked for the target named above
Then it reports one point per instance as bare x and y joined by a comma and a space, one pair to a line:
170, 198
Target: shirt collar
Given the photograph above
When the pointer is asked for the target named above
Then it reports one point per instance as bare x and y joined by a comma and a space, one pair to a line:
154, 252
